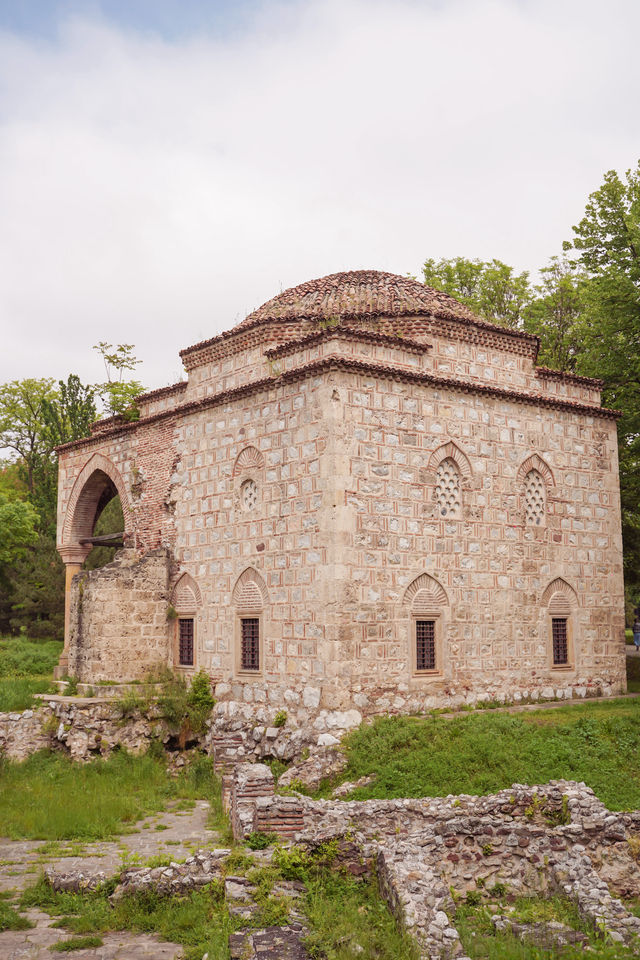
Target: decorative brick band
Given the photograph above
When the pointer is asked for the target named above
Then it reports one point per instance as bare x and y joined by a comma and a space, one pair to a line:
354, 366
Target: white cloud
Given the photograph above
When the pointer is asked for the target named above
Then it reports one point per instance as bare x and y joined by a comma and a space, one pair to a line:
154, 192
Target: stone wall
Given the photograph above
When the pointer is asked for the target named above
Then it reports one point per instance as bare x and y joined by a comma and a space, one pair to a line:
341, 432
118, 625
555, 838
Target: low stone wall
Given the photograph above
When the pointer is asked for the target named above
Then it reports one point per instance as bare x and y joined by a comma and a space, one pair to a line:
82, 728
535, 840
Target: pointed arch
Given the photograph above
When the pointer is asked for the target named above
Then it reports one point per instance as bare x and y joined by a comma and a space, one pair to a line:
534, 462
250, 591
248, 459
186, 593
425, 593
450, 451
98, 482
559, 596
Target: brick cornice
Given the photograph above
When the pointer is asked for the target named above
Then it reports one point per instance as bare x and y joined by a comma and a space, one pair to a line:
345, 333
546, 373
163, 391
355, 366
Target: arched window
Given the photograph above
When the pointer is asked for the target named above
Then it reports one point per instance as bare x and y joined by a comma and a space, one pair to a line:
248, 474
560, 601
535, 478
535, 499
448, 497
427, 603
249, 599
185, 600
450, 468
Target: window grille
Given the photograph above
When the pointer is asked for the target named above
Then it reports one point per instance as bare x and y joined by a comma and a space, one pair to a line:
560, 641
448, 489
534, 497
249, 494
425, 645
185, 642
250, 652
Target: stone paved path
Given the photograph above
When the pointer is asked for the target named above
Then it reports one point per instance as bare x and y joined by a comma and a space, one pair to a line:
174, 832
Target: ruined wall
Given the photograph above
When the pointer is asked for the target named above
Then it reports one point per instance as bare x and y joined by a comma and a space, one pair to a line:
119, 626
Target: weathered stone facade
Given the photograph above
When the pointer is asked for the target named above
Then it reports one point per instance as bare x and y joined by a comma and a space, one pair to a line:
358, 458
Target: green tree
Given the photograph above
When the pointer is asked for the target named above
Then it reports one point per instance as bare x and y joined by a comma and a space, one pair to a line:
36, 581
555, 312
69, 416
119, 395
18, 522
21, 423
607, 245
491, 289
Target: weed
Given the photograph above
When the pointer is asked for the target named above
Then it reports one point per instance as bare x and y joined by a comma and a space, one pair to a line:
187, 708
260, 841
77, 943
280, 718
10, 919
277, 767
292, 862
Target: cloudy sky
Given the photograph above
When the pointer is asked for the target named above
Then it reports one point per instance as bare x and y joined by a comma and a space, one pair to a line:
168, 165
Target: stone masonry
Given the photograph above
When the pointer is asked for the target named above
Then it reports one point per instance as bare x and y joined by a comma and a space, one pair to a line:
400, 502
555, 838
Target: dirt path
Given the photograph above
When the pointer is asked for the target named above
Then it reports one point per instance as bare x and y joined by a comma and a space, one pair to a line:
175, 833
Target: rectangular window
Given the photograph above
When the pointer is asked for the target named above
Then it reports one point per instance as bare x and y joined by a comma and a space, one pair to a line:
560, 641
425, 645
185, 641
250, 652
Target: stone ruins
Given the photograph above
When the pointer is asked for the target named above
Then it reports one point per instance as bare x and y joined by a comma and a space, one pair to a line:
363, 499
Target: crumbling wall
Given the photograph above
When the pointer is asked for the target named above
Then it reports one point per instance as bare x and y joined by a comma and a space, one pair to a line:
118, 622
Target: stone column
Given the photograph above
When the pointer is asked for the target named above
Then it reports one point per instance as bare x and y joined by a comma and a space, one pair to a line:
73, 557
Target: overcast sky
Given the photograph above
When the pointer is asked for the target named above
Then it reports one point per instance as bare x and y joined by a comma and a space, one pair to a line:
165, 167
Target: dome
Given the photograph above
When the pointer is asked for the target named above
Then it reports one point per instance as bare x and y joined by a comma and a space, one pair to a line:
358, 294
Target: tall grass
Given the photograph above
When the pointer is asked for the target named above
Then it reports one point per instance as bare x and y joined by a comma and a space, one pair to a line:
200, 920
48, 797
26, 667
482, 753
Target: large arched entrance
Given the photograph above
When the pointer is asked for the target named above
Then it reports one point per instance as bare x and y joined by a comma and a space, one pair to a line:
98, 483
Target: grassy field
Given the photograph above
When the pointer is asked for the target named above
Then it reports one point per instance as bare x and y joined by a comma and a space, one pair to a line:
48, 797
26, 667
479, 753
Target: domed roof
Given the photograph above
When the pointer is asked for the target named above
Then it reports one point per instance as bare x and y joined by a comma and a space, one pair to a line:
358, 294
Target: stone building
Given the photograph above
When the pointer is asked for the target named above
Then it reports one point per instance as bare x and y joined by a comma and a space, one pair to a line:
363, 497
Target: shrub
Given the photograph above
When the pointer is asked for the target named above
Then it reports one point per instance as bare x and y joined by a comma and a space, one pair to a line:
187, 707
280, 718
260, 841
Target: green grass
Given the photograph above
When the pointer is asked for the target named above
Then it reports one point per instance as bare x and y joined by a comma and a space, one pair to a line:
480, 753
10, 919
199, 921
26, 667
482, 942
76, 943
633, 673
349, 919
48, 797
